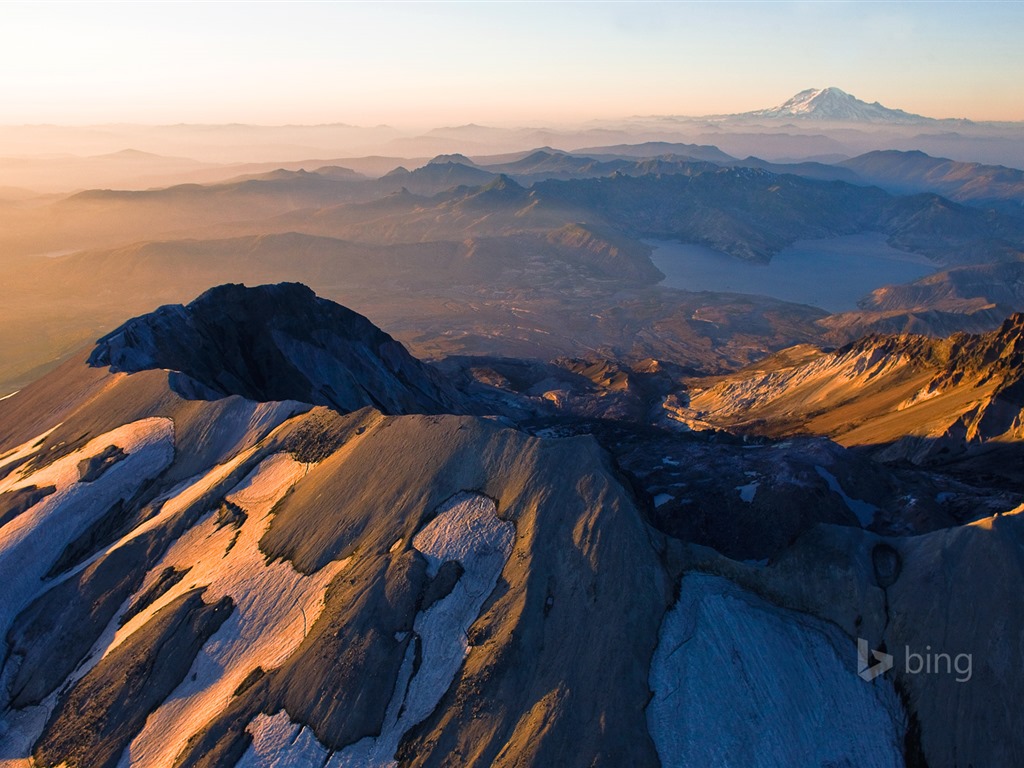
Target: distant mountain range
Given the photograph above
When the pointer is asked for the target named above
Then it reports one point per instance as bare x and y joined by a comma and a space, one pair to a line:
532, 219
66, 158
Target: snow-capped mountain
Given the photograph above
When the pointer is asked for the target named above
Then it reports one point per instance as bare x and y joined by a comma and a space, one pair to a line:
833, 104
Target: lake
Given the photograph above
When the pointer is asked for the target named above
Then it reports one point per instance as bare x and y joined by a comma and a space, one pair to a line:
832, 274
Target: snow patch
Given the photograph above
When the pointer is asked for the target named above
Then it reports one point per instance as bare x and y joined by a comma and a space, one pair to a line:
31, 543
26, 725
24, 450
925, 394
274, 607
277, 742
748, 491
864, 511
467, 529
662, 498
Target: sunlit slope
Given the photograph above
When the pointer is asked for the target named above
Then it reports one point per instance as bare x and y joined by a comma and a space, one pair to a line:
949, 393
228, 564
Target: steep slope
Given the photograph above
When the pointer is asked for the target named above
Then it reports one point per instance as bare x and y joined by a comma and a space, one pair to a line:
985, 285
930, 396
757, 716
939, 599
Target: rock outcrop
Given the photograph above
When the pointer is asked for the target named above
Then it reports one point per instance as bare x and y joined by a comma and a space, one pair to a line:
276, 342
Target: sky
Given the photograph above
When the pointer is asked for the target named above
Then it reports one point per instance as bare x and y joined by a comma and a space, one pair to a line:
420, 64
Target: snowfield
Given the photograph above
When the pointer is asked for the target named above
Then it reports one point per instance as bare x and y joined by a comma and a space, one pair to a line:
738, 681
31, 543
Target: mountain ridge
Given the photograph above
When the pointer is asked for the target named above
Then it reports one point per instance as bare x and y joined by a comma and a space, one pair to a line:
911, 396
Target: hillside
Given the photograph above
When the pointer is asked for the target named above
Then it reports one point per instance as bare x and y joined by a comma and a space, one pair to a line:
200, 578
919, 396
984, 186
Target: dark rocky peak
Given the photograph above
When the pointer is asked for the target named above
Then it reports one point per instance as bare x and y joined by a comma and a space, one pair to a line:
276, 342
1012, 327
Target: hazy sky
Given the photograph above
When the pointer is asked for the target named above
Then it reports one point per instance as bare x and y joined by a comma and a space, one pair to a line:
426, 63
